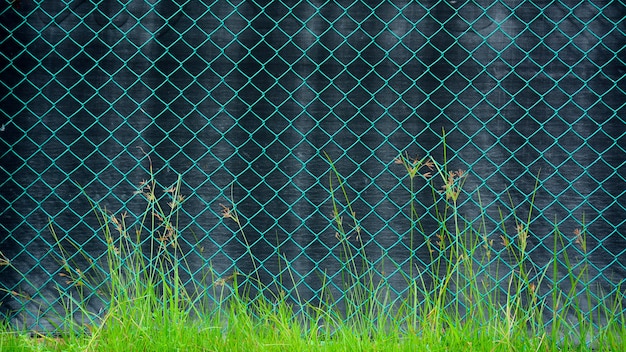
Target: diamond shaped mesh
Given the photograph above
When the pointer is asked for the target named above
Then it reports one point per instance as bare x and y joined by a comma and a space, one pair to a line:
243, 98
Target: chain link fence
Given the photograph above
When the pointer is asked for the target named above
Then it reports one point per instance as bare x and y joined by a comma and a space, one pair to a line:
252, 104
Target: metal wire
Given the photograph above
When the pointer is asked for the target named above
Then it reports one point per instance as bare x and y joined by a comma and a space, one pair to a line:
242, 100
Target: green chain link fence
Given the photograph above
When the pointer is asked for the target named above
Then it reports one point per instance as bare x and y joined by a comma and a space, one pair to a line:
243, 99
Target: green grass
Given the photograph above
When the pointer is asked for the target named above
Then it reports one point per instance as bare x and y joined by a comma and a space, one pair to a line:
146, 325
449, 306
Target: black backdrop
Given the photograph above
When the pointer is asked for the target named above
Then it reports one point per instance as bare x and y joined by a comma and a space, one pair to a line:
242, 99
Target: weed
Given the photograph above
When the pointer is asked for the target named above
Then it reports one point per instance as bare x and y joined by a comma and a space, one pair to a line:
448, 305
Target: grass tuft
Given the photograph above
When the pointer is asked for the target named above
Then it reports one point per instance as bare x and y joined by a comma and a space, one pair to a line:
453, 303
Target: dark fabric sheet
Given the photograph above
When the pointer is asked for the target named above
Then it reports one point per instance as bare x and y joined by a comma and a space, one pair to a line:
244, 98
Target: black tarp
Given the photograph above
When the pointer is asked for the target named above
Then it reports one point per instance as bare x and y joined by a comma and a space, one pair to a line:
244, 98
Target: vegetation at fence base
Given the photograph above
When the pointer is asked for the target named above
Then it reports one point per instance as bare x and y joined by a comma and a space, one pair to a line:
449, 305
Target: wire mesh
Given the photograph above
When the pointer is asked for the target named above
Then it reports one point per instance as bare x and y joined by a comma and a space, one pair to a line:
242, 100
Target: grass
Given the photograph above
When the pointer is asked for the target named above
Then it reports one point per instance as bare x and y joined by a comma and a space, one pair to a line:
448, 306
